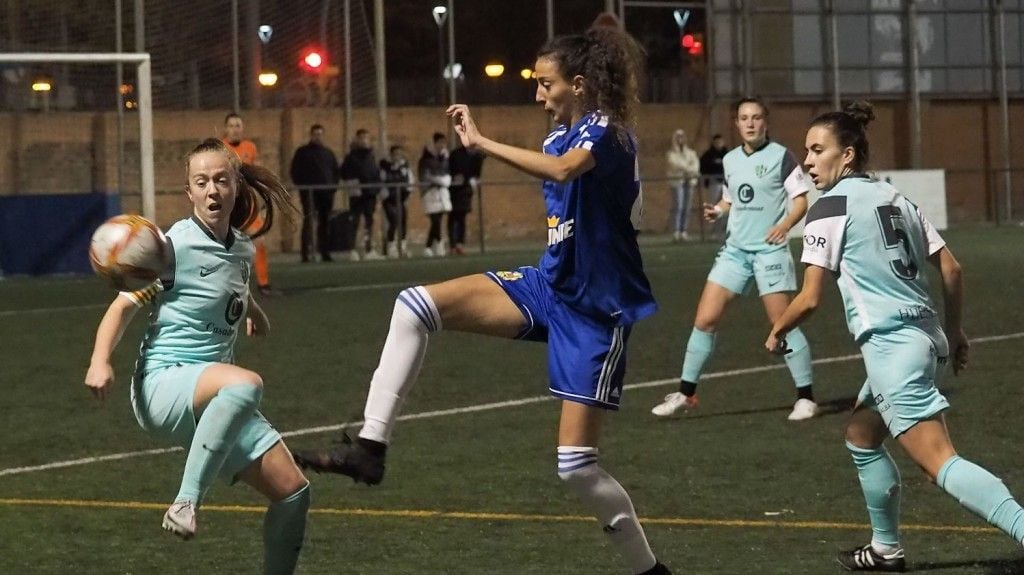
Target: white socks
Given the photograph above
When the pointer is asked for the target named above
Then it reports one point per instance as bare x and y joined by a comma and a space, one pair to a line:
412, 321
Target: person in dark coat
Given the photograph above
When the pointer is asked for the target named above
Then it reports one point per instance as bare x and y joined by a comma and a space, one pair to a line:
465, 166
361, 166
314, 172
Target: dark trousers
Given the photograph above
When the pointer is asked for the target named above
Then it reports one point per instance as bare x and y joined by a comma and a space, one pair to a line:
391, 213
434, 235
316, 205
457, 227
362, 208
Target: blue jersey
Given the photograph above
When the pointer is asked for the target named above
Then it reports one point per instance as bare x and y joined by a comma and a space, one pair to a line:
876, 242
593, 262
200, 300
758, 185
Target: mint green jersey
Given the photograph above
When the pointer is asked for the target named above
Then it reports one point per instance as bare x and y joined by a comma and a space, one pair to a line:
758, 185
876, 242
200, 300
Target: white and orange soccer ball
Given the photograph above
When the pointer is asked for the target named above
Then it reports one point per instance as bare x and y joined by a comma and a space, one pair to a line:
129, 251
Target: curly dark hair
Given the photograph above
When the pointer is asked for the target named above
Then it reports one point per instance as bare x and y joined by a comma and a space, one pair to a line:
611, 63
259, 190
850, 128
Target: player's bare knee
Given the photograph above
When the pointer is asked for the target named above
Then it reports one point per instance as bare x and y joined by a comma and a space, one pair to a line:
706, 323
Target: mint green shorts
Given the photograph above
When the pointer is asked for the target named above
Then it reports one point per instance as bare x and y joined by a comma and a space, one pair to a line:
773, 270
903, 369
162, 402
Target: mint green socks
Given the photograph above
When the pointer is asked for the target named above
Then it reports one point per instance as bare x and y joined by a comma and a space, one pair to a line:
880, 483
284, 528
215, 436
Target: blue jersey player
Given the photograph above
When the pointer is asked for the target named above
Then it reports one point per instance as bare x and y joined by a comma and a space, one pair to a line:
875, 243
186, 388
583, 297
760, 176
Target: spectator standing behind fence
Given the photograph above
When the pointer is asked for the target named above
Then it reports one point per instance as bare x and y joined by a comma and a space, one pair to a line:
465, 166
712, 171
245, 149
434, 182
314, 172
683, 173
360, 166
398, 176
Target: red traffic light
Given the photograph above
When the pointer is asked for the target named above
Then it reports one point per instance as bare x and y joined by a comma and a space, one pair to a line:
312, 61
693, 44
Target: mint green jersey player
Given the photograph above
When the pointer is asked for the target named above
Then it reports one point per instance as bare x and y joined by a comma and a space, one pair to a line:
758, 185
200, 300
876, 242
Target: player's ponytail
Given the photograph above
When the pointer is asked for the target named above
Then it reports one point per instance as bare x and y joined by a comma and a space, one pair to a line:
259, 185
260, 191
850, 129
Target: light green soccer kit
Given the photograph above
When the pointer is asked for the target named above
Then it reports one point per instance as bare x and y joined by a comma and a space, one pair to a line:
877, 242
200, 304
758, 186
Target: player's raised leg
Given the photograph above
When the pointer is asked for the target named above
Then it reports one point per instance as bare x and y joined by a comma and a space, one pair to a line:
226, 397
473, 304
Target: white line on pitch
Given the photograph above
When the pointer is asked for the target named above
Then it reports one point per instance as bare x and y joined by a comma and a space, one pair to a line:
458, 410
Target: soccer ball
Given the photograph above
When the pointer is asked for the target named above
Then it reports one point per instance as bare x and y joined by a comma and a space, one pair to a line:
129, 251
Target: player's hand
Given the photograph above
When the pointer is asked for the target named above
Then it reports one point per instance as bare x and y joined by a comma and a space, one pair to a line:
777, 235
464, 125
257, 324
776, 345
99, 378
712, 212
958, 349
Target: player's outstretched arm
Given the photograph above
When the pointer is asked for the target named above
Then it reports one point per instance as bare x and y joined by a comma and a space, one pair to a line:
101, 374
564, 168
953, 302
801, 308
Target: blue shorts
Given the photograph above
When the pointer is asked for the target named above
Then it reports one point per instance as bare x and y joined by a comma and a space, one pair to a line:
586, 357
773, 270
903, 368
162, 402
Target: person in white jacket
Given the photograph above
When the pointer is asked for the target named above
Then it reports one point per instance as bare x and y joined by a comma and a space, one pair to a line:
683, 171
435, 180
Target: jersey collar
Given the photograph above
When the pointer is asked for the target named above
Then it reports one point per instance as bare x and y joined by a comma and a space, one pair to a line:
743, 147
228, 241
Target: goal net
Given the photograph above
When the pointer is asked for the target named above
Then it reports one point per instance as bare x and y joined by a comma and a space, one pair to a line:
79, 148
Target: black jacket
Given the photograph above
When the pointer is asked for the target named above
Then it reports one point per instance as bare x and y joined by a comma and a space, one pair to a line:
467, 164
360, 165
396, 174
314, 165
711, 162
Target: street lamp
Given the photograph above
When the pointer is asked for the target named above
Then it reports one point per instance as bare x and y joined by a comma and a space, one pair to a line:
494, 70
440, 16
268, 79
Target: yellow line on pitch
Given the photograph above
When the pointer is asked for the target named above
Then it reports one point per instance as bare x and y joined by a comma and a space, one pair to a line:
484, 516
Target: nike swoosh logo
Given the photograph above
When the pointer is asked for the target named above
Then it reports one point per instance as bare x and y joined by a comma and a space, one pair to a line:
205, 271
773, 284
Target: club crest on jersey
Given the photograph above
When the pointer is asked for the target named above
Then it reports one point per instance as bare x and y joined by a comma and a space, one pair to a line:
509, 276
761, 170
746, 193
559, 231
245, 272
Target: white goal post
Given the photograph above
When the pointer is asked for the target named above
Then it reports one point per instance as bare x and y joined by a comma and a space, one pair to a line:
144, 99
